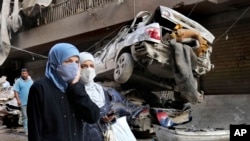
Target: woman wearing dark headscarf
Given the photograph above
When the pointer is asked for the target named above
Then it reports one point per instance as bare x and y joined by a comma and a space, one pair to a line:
58, 104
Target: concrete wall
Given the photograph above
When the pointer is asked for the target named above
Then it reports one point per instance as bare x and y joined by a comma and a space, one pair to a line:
36, 68
227, 56
85, 22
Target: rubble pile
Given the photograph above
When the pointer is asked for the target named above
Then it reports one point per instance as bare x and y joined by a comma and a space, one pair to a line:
9, 109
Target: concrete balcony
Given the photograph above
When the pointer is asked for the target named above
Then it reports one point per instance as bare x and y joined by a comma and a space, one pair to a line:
84, 27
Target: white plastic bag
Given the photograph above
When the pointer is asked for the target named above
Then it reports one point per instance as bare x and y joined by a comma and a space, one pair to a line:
122, 131
109, 135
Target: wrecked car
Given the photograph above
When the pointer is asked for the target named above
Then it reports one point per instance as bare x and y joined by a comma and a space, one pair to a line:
10, 112
163, 51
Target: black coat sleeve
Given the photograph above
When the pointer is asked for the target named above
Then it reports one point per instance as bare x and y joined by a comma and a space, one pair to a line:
34, 114
82, 104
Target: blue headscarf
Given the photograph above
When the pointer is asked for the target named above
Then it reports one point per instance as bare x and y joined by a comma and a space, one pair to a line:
57, 55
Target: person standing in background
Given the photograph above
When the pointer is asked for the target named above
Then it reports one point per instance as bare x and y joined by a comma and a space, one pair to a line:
21, 90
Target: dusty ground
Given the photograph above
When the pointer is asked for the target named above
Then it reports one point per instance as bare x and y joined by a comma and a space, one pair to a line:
18, 135
12, 134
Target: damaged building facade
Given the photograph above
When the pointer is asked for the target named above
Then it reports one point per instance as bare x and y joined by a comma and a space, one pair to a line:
36, 25
29, 28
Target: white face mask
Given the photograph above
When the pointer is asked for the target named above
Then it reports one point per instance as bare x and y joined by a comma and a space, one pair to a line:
88, 75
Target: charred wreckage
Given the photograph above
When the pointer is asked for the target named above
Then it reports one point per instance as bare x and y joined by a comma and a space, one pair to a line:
165, 51
159, 59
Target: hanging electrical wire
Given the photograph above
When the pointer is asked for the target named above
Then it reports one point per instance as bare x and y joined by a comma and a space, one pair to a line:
134, 8
105, 37
226, 32
134, 5
193, 8
45, 57
29, 52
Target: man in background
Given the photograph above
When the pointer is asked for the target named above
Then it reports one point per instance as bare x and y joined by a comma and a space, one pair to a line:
21, 90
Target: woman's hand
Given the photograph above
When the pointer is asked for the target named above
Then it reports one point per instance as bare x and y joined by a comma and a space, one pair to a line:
108, 118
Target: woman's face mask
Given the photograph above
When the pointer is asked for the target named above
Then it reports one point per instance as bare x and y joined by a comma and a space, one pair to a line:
68, 72
88, 75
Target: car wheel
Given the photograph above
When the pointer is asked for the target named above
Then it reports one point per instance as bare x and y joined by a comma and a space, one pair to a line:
124, 68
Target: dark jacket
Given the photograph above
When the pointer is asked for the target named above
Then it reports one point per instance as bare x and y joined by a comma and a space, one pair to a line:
57, 116
114, 102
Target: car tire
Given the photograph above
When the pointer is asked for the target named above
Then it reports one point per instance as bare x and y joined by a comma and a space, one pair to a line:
124, 68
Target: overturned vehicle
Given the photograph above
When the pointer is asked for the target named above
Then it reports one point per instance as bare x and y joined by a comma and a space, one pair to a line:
163, 51
159, 59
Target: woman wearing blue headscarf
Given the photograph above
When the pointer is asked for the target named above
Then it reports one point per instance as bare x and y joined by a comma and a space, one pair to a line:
58, 104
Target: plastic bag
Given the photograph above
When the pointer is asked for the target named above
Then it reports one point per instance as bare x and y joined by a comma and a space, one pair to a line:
122, 131
108, 135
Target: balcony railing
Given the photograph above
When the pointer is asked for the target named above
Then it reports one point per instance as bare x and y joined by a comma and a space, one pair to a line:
64, 9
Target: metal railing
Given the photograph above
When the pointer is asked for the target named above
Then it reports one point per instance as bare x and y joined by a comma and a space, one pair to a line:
65, 9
